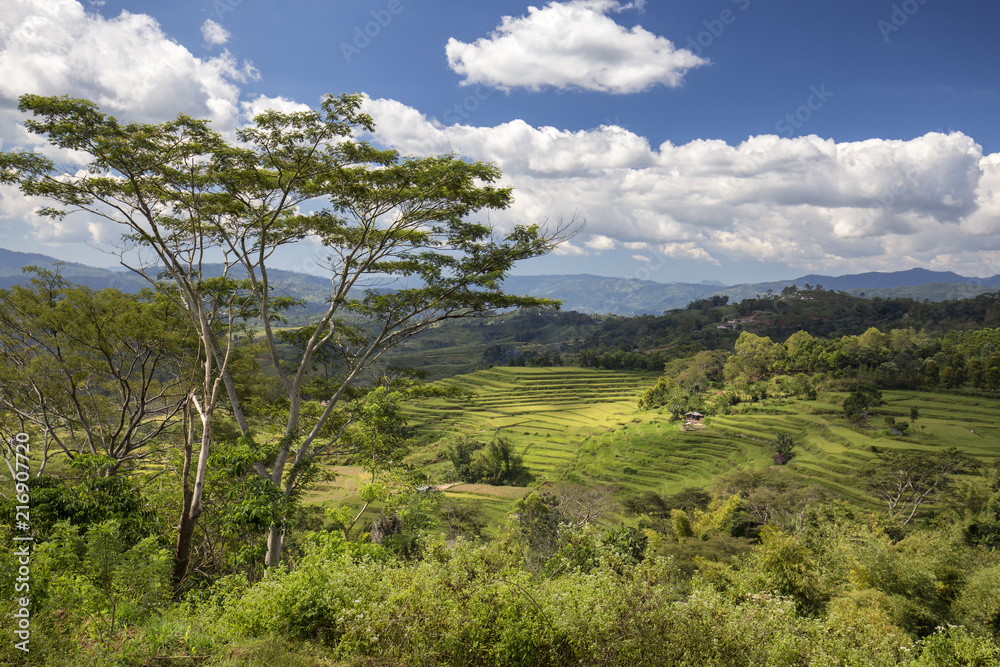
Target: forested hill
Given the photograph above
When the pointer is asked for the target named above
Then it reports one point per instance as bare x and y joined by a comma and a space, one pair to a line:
646, 342
582, 293
622, 296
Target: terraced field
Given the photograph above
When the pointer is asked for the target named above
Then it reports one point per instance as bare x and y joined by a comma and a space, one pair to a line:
547, 412
582, 426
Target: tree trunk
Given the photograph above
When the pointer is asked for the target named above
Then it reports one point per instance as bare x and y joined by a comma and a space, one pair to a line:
275, 543
191, 505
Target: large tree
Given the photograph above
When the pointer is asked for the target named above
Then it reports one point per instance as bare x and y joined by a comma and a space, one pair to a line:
401, 250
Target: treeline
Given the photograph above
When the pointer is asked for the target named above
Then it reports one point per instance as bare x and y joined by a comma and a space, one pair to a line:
713, 381
712, 324
901, 358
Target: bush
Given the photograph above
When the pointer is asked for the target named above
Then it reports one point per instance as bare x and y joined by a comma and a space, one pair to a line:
978, 603
99, 576
496, 463
954, 645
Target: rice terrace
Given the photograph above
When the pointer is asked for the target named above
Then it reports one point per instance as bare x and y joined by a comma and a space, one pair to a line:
583, 425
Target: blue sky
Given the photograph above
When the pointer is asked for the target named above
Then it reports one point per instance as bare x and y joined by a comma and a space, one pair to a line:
730, 140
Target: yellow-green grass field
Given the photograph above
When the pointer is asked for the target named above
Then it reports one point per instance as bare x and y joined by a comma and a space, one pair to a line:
583, 426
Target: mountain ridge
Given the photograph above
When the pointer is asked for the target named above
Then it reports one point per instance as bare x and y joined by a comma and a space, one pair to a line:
582, 292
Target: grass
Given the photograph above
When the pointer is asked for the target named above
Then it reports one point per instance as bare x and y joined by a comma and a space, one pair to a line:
583, 425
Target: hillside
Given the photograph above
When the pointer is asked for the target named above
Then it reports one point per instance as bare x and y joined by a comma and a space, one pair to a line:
602, 295
582, 426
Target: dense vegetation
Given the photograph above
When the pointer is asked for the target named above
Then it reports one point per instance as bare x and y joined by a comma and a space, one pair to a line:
552, 338
803, 478
629, 558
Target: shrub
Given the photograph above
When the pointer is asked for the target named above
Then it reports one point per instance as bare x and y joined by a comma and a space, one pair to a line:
978, 604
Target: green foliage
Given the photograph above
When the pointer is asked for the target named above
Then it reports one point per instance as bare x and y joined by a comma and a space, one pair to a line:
953, 646
460, 452
103, 577
781, 565
681, 524
783, 445
495, 463
977, 604
754, 359
907, 480
866, 618
88, 498
658, 511
100, 373
864, 396
973, 507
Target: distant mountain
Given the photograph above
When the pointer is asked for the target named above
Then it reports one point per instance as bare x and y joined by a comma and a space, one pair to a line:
917, 284
312, 289
11, 263
877, 280
583, 293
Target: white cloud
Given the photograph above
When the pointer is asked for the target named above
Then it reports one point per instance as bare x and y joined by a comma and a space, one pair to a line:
213, 33
641, 258
600, 242
571, 45
687, 250
809, 202
126, 64
567, 248
264, 103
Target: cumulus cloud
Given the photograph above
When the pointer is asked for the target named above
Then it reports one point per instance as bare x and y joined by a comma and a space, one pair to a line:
126, 64
600, 242
263, 103
572, 44
213, 33
567, 248
810, 202
687, 250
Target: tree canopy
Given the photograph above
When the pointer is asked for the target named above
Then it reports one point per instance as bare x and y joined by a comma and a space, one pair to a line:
207, 216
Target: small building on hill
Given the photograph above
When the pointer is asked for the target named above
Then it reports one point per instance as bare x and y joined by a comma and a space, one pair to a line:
694, 417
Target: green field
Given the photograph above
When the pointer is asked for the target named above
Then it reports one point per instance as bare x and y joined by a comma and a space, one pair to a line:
547, 412
582, 426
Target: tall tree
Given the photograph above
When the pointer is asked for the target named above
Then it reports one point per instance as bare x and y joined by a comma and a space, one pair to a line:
401, 251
